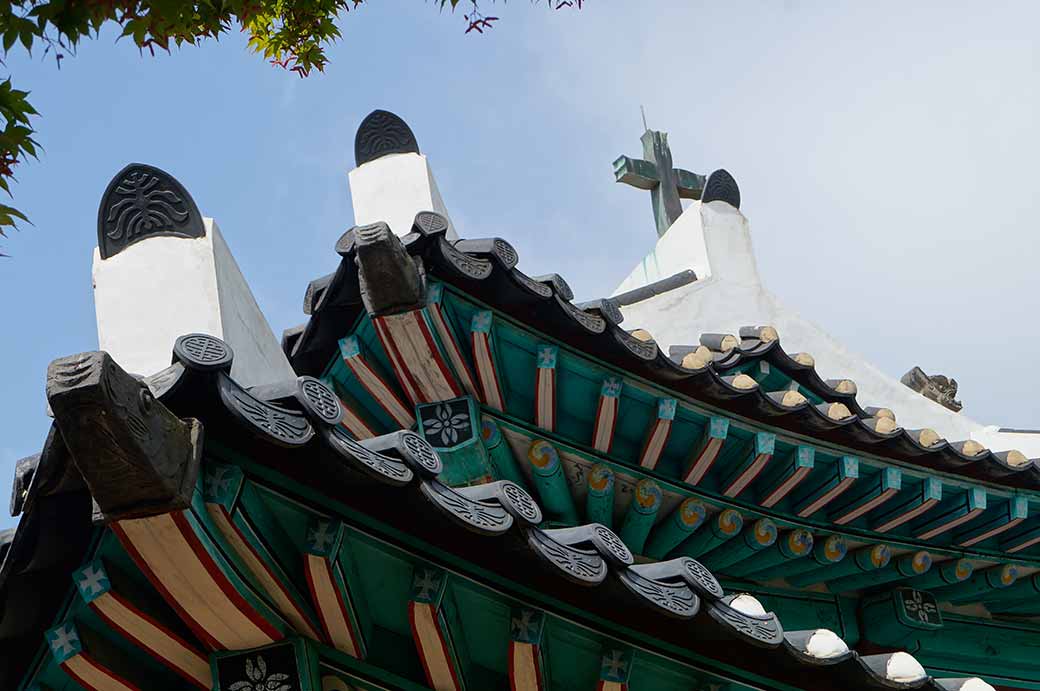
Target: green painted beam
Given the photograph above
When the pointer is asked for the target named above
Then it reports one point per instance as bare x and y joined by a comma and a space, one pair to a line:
500, 453
1015, 512
1021, 539
642, 512
719, 528
865, 559
903, 567
826, 552
550, 482
958, 512
1027, 588
796, 544
981, 583
679, 525
599, 501
941, 575
867, 497
753, 539
820, 494
927, 496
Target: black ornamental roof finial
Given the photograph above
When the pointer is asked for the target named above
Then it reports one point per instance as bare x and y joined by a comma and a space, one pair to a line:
142, 202
383, 133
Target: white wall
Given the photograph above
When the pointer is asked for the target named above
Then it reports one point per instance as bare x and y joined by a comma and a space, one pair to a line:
392, 189
164, 287
717, 236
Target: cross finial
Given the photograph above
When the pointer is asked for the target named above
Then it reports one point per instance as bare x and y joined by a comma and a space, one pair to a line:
654, 172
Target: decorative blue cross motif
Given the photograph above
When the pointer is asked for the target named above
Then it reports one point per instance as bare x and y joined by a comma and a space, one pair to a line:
217, 482
434, 293
526, 625
481, 321
547, 356
92, 581
426, 584
666, 408
349, 347
64, 642
611, 387
321, 537
719, 428
765, 442
614, 666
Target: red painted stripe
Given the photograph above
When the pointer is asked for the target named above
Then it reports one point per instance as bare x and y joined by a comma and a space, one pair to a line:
263, 563
130, 637
200, 632
396, 360
705, 459
424, 329
462, 370
362, 372
100, 669
748, 476
221, 580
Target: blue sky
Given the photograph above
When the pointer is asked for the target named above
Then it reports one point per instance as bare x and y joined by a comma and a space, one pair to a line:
886, 157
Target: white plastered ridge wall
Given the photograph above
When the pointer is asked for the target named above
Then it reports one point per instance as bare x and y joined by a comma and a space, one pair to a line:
714, 240
392, 189
163, 287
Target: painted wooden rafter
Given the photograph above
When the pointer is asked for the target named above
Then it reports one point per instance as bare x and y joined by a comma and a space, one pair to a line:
784, 477
1017, 511
961, 511
435, 310
836, 483
545, 387
756, 457
920, 503
707, 450
430, 630
95, 587
615, 669
1021, 539
871, 496
185, 566
484, 360
658, 433
417, 361
526, 666
377, 387
236, 512
352, 421
67, 649
606, 414
330, 592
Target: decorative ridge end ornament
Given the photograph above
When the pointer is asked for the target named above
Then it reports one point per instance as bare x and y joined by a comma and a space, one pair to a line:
389, 279
937, 387
382, 133
721, 186
141, 202
137, 458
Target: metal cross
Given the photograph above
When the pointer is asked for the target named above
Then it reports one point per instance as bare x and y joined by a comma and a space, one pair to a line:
93, 580
654, 172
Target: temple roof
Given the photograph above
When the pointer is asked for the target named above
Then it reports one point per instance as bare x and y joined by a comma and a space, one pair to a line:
285, 424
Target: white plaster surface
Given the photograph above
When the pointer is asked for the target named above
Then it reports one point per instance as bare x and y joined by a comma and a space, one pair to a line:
714, 240
904, 667
824, 644
164, 287
748, 604
393, 189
